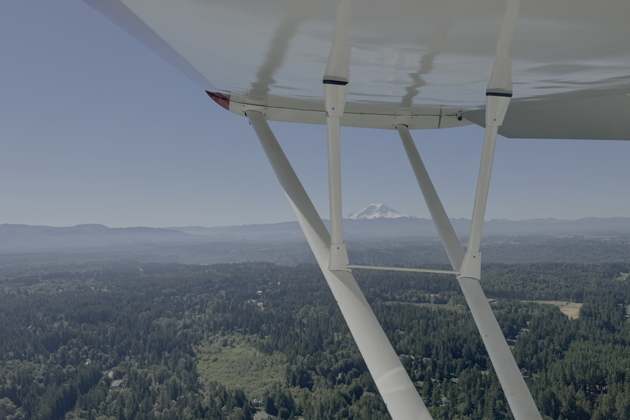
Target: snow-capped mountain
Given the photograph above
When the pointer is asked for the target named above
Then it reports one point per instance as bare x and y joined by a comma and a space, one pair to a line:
377, 211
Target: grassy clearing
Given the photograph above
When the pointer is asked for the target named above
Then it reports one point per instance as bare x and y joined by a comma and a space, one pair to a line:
570, 309
234, 362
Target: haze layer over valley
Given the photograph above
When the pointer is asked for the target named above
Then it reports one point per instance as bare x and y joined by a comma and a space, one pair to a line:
373, 234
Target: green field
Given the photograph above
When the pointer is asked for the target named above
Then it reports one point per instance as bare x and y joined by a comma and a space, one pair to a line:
234, 362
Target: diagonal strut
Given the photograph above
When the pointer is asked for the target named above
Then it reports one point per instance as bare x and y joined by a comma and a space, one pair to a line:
400, 395
498, 96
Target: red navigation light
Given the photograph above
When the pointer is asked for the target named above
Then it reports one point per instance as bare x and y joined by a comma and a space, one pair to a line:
221, 99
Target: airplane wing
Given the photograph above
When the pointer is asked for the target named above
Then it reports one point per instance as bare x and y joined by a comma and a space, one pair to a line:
424, 63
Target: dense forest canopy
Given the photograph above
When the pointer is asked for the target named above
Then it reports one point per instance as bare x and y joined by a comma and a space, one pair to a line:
123, 339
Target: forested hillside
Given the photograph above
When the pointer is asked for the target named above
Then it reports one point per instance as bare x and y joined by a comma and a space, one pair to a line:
127, 340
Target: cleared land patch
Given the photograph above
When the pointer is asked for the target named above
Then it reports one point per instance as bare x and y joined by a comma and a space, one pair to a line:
234, 362
570, 309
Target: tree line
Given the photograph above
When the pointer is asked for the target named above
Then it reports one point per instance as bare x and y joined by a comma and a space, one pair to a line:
119, 341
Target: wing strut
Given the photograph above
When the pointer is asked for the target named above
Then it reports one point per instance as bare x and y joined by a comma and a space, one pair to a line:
394, 385
512, 382
498, 96
516, 391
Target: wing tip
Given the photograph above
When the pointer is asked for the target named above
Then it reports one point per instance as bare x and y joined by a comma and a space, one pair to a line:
222, 100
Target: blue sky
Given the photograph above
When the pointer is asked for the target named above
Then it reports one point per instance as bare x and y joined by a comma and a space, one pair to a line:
96, 128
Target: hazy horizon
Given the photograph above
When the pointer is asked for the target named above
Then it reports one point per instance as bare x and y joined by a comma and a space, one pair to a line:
287, 221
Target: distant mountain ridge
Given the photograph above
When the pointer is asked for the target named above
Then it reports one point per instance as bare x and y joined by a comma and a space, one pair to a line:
27, 238
410, 227
91, 237
407, 227
378, 220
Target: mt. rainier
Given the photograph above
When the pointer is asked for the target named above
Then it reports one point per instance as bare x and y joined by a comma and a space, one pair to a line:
377, 211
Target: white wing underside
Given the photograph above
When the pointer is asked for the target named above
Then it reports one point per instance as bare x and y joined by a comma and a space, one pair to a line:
424, 63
